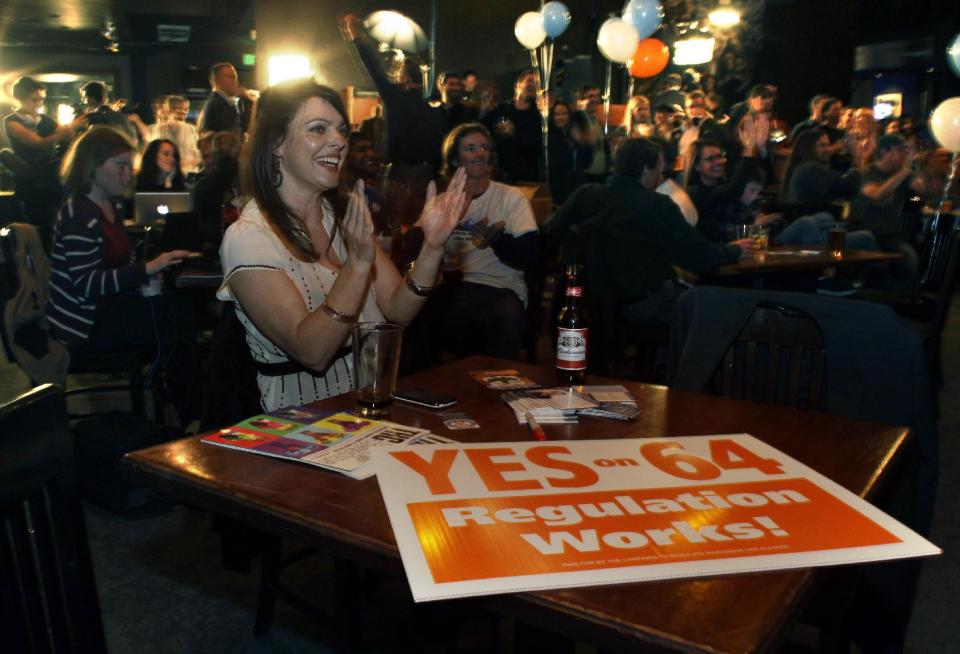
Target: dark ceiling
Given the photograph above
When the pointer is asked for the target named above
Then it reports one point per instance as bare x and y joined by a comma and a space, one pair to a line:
91, 25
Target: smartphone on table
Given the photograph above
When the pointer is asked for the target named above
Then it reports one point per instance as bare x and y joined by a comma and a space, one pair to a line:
427, 399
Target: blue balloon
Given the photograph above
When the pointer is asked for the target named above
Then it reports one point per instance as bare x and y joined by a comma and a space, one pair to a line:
556, 18
953, 55
644, 15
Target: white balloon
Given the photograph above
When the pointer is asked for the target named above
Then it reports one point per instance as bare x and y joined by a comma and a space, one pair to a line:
529, 30
617, 40
945, 124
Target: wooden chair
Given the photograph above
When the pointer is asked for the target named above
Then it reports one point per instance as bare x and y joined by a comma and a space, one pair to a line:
49, 600
927, 305
129, 361
778, 358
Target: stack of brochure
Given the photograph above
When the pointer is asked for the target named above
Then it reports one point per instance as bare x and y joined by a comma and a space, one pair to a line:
611, 402
340, 442
563, 405
547, 405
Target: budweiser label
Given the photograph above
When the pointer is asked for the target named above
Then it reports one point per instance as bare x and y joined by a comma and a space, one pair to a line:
575, 291
572, 348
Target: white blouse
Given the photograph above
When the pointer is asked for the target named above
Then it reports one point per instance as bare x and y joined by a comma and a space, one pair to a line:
250, 243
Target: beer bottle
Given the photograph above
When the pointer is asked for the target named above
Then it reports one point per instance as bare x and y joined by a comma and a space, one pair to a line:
572, 331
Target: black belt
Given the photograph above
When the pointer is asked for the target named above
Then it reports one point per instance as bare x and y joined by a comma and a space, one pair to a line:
295, 367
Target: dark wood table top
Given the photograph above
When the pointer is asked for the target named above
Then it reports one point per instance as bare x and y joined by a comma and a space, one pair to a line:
733, 613
802, 258
186, 277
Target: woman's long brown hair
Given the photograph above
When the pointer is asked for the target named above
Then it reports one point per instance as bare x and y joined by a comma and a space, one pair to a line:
276, 109
804, 149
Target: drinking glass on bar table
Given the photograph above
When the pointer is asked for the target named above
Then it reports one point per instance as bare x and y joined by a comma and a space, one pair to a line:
739, 232
760, 235
836, 238
376, 357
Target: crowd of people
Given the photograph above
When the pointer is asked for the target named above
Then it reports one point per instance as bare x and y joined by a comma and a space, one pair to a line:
334, 223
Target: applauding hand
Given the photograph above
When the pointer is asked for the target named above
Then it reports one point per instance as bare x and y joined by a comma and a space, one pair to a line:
358, 226
747, 135
441, 214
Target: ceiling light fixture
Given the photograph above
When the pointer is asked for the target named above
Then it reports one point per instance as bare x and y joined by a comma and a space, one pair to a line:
693, 51
724, 15
282, 67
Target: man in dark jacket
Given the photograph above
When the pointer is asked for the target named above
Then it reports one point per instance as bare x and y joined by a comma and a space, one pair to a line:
632, 237
517, 133
226, 109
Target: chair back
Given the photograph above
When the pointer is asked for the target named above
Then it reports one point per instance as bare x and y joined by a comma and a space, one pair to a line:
9, 283
777, 358
911, 218
231, 393
49, 600
947, 280
16, 165
26, 330
936, 255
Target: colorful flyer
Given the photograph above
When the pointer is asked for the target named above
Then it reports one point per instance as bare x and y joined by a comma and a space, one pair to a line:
477, 519
340, 442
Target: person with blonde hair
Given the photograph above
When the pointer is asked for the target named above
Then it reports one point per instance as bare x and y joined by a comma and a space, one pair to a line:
637, 119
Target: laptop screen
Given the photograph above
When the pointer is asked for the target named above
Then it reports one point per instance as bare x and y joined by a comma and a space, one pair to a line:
148, 208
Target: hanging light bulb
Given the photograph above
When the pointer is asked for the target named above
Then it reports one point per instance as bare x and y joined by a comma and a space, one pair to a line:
724, 15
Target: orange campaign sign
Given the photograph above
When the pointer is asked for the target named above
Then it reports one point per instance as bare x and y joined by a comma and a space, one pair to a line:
504, 517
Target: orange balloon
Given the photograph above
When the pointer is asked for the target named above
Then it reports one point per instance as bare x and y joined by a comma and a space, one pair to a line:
650, 58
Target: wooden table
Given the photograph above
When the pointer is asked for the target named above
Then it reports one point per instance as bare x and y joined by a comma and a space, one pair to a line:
736, 613
802, 258
186, 277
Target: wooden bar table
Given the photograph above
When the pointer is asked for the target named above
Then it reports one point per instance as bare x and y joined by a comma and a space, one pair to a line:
733, 613
802, 258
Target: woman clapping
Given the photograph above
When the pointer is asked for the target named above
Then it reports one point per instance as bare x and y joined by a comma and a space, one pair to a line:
301, 264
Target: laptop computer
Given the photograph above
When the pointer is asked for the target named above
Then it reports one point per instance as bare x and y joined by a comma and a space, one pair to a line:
148, 208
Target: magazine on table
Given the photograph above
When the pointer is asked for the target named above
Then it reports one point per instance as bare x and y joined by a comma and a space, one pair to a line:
337, 441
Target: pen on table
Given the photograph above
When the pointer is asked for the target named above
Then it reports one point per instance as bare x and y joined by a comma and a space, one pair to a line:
535, 427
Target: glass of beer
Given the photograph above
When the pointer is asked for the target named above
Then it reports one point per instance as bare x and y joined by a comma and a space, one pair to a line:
376, 358
761, 236
836, 238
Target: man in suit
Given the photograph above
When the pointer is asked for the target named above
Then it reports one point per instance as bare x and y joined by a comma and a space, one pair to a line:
225, 110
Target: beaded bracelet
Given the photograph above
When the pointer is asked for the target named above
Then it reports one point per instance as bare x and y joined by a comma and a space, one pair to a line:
417, 288
338, 315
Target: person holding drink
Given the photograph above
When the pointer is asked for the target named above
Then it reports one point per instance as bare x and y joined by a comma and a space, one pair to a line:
301, 264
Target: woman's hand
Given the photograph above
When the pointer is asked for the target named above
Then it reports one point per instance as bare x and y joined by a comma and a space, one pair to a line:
358, 226
747, 135
747, 247
441, 215
165, 260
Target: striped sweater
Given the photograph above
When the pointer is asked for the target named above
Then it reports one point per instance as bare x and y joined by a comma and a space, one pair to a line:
77, 279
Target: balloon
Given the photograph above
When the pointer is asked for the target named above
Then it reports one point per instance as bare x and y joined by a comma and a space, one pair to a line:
953, 55
945, 124
644, 15
617, 40
650, 58
529, 30
556, 18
